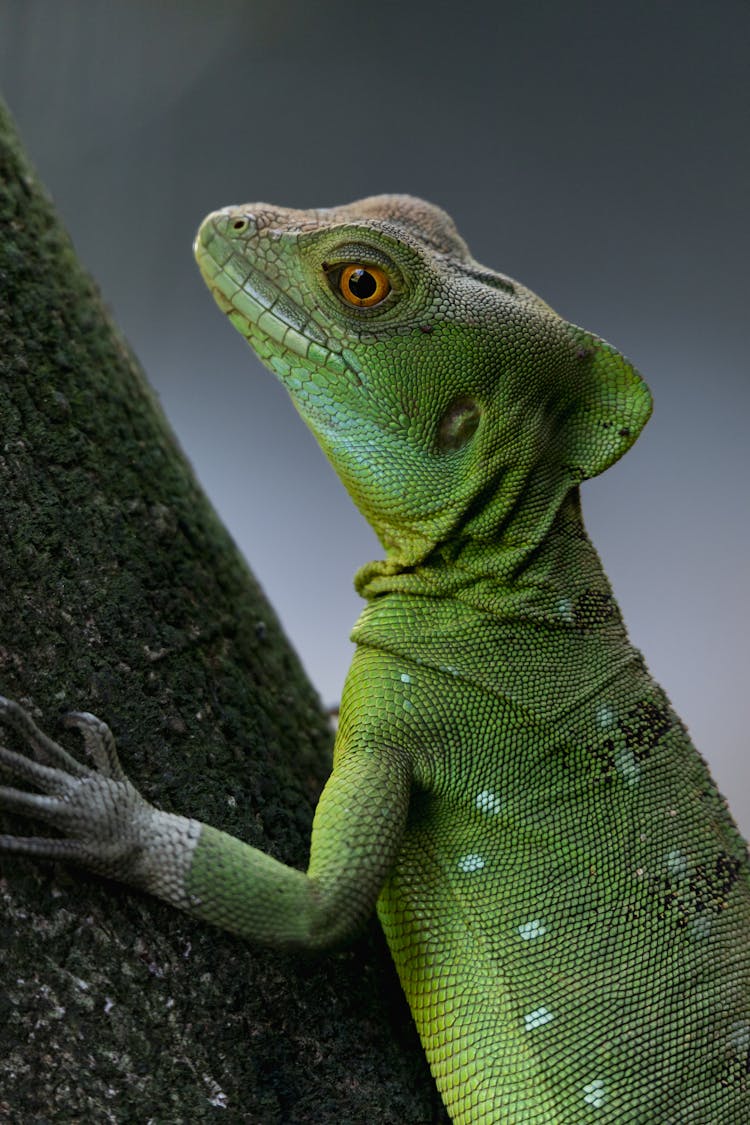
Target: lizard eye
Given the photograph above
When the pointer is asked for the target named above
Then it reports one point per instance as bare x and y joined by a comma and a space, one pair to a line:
363, 286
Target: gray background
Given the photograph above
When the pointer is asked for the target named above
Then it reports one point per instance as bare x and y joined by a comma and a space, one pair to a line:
596, 151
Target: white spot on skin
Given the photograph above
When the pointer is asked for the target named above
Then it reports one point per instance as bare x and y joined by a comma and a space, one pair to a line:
451, 671
677, 864
739, 1037
488, 802
537, 1018
627, 766
595, 1093
565, 609
700, 926
606, 716
406, 703
472, 861
530, 930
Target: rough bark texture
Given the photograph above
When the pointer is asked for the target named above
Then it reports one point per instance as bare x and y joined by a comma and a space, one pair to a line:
123, 595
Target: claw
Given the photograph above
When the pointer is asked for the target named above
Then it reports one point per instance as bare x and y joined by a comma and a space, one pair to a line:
99, 743
48, 751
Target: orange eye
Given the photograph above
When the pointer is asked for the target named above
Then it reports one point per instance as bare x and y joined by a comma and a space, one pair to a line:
363, 285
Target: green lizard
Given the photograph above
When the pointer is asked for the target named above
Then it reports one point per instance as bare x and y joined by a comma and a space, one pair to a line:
564, 893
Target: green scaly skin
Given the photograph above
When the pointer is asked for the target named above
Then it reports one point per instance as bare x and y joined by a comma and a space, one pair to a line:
563, 890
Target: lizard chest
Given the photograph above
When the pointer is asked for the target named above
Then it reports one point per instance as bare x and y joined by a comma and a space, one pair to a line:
570, 915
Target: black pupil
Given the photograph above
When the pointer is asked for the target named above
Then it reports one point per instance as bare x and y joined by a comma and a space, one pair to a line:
362, 284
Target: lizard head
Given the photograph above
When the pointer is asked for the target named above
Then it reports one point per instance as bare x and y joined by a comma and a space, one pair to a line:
444, 393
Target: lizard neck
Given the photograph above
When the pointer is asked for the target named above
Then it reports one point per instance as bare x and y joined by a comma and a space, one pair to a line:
550, 573
508, 619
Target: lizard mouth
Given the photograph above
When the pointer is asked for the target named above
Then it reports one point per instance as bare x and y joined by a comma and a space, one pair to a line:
274, 325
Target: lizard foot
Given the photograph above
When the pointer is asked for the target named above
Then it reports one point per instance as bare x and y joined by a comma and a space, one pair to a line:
100, 815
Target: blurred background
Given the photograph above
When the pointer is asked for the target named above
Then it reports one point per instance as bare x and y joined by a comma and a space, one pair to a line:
596, 151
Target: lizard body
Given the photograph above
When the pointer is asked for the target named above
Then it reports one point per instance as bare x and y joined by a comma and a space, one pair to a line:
563, 890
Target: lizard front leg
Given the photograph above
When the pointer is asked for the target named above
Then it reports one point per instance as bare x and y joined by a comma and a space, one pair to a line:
108, 827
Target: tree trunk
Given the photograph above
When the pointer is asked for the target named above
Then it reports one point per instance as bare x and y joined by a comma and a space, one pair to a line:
123, 595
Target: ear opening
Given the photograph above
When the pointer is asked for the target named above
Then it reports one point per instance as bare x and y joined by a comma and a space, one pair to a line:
609, 407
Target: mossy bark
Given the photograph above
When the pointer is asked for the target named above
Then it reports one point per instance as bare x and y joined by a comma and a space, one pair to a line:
123, 595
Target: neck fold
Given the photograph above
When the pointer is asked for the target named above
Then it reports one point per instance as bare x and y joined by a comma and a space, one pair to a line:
522, 573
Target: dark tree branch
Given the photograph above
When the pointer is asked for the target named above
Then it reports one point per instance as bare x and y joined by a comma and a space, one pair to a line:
123, 595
